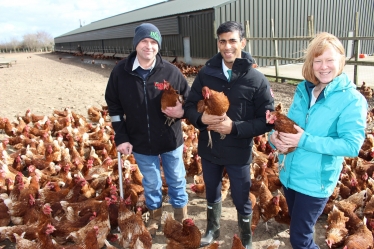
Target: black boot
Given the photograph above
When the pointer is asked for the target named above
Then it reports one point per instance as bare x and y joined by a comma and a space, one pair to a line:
244, 223
213, 215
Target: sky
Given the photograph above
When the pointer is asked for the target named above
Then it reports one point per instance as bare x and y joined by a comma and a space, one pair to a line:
57, 17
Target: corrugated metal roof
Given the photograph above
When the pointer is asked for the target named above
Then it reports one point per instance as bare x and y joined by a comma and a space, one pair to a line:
163, 9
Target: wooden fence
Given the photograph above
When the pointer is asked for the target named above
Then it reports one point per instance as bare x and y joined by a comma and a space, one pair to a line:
352, 61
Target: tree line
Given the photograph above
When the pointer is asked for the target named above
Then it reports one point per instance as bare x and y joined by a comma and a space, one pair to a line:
31, 42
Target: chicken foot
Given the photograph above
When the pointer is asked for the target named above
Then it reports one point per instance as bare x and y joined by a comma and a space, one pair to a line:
210, 142
281, 165
169, 120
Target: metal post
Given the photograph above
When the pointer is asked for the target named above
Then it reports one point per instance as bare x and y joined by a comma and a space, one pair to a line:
275, 51
355, 68
120, 175
248, 35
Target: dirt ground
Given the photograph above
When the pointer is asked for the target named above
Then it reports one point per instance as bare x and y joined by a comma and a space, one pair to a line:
42, 82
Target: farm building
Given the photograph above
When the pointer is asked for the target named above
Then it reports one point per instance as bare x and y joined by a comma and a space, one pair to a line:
188, 27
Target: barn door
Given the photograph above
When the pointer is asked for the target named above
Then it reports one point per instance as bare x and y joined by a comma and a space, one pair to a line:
186, 49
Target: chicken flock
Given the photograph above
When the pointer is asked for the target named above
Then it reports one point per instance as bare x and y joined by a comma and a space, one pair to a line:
59, 188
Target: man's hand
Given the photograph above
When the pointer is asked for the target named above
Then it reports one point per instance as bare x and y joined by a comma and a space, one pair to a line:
174, 112
223, 127
125, 148
212, 119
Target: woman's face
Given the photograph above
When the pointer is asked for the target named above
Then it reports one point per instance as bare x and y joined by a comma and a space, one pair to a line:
327, 66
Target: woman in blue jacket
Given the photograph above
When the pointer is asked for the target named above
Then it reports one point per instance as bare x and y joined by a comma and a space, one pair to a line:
331, 120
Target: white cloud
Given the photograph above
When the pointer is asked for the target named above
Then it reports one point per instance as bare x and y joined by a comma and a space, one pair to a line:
58, 17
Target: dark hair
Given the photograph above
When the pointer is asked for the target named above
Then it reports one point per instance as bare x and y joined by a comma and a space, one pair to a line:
231, 26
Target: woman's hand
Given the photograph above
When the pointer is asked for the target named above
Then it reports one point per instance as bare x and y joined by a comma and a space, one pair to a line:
279, 144
291, 140
283, 141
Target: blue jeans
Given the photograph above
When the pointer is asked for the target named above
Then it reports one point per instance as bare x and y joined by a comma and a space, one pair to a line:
304, 211
175, 175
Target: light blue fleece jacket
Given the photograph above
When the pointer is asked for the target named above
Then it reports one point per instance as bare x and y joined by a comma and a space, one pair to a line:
334, 127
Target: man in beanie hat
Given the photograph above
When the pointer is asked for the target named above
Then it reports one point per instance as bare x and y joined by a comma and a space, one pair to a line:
147, 30
134, 105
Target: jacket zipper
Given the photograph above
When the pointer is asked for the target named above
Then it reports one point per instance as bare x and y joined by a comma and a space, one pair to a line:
306, 124
146, 105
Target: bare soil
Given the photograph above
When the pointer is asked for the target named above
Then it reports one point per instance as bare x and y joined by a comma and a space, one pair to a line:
42, 82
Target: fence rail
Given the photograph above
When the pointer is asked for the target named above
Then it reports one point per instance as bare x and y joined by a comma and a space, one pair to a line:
353, 60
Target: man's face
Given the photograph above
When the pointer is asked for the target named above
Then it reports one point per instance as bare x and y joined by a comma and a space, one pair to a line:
147, 49
230, 46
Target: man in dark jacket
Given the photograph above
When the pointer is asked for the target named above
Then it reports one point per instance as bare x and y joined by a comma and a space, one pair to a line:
250, 96
134, 104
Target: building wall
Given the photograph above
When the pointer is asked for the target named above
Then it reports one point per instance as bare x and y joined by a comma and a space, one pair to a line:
198, 26
291, 20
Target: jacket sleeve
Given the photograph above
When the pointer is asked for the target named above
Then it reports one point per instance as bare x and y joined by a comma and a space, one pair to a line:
190, 107
350, 129
263, 101
116, 111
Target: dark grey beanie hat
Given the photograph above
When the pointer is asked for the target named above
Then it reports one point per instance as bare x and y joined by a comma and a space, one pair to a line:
147, 30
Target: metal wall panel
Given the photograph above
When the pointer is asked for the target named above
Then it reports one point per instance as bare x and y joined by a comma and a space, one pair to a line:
167, 26
199, 26
290, 20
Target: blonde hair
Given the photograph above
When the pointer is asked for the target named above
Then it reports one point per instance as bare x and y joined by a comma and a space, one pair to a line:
317, 47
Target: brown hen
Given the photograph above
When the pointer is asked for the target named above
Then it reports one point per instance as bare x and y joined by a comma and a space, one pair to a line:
237, 243
169, 98
336, 232
362, 238
186, 235
281, 124
132, 227
214, 103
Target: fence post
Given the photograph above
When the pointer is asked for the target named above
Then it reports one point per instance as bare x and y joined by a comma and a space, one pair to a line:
355, 68
247, 35
310, 26
275, 51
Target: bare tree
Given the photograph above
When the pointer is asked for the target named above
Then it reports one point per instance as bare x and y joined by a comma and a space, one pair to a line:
45, 39
4, 45
14, 43
30, 41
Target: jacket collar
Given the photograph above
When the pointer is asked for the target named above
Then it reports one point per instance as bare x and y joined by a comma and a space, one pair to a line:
243, 63
339, 83
240, 67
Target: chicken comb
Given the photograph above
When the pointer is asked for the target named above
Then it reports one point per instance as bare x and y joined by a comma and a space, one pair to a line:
159, 85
